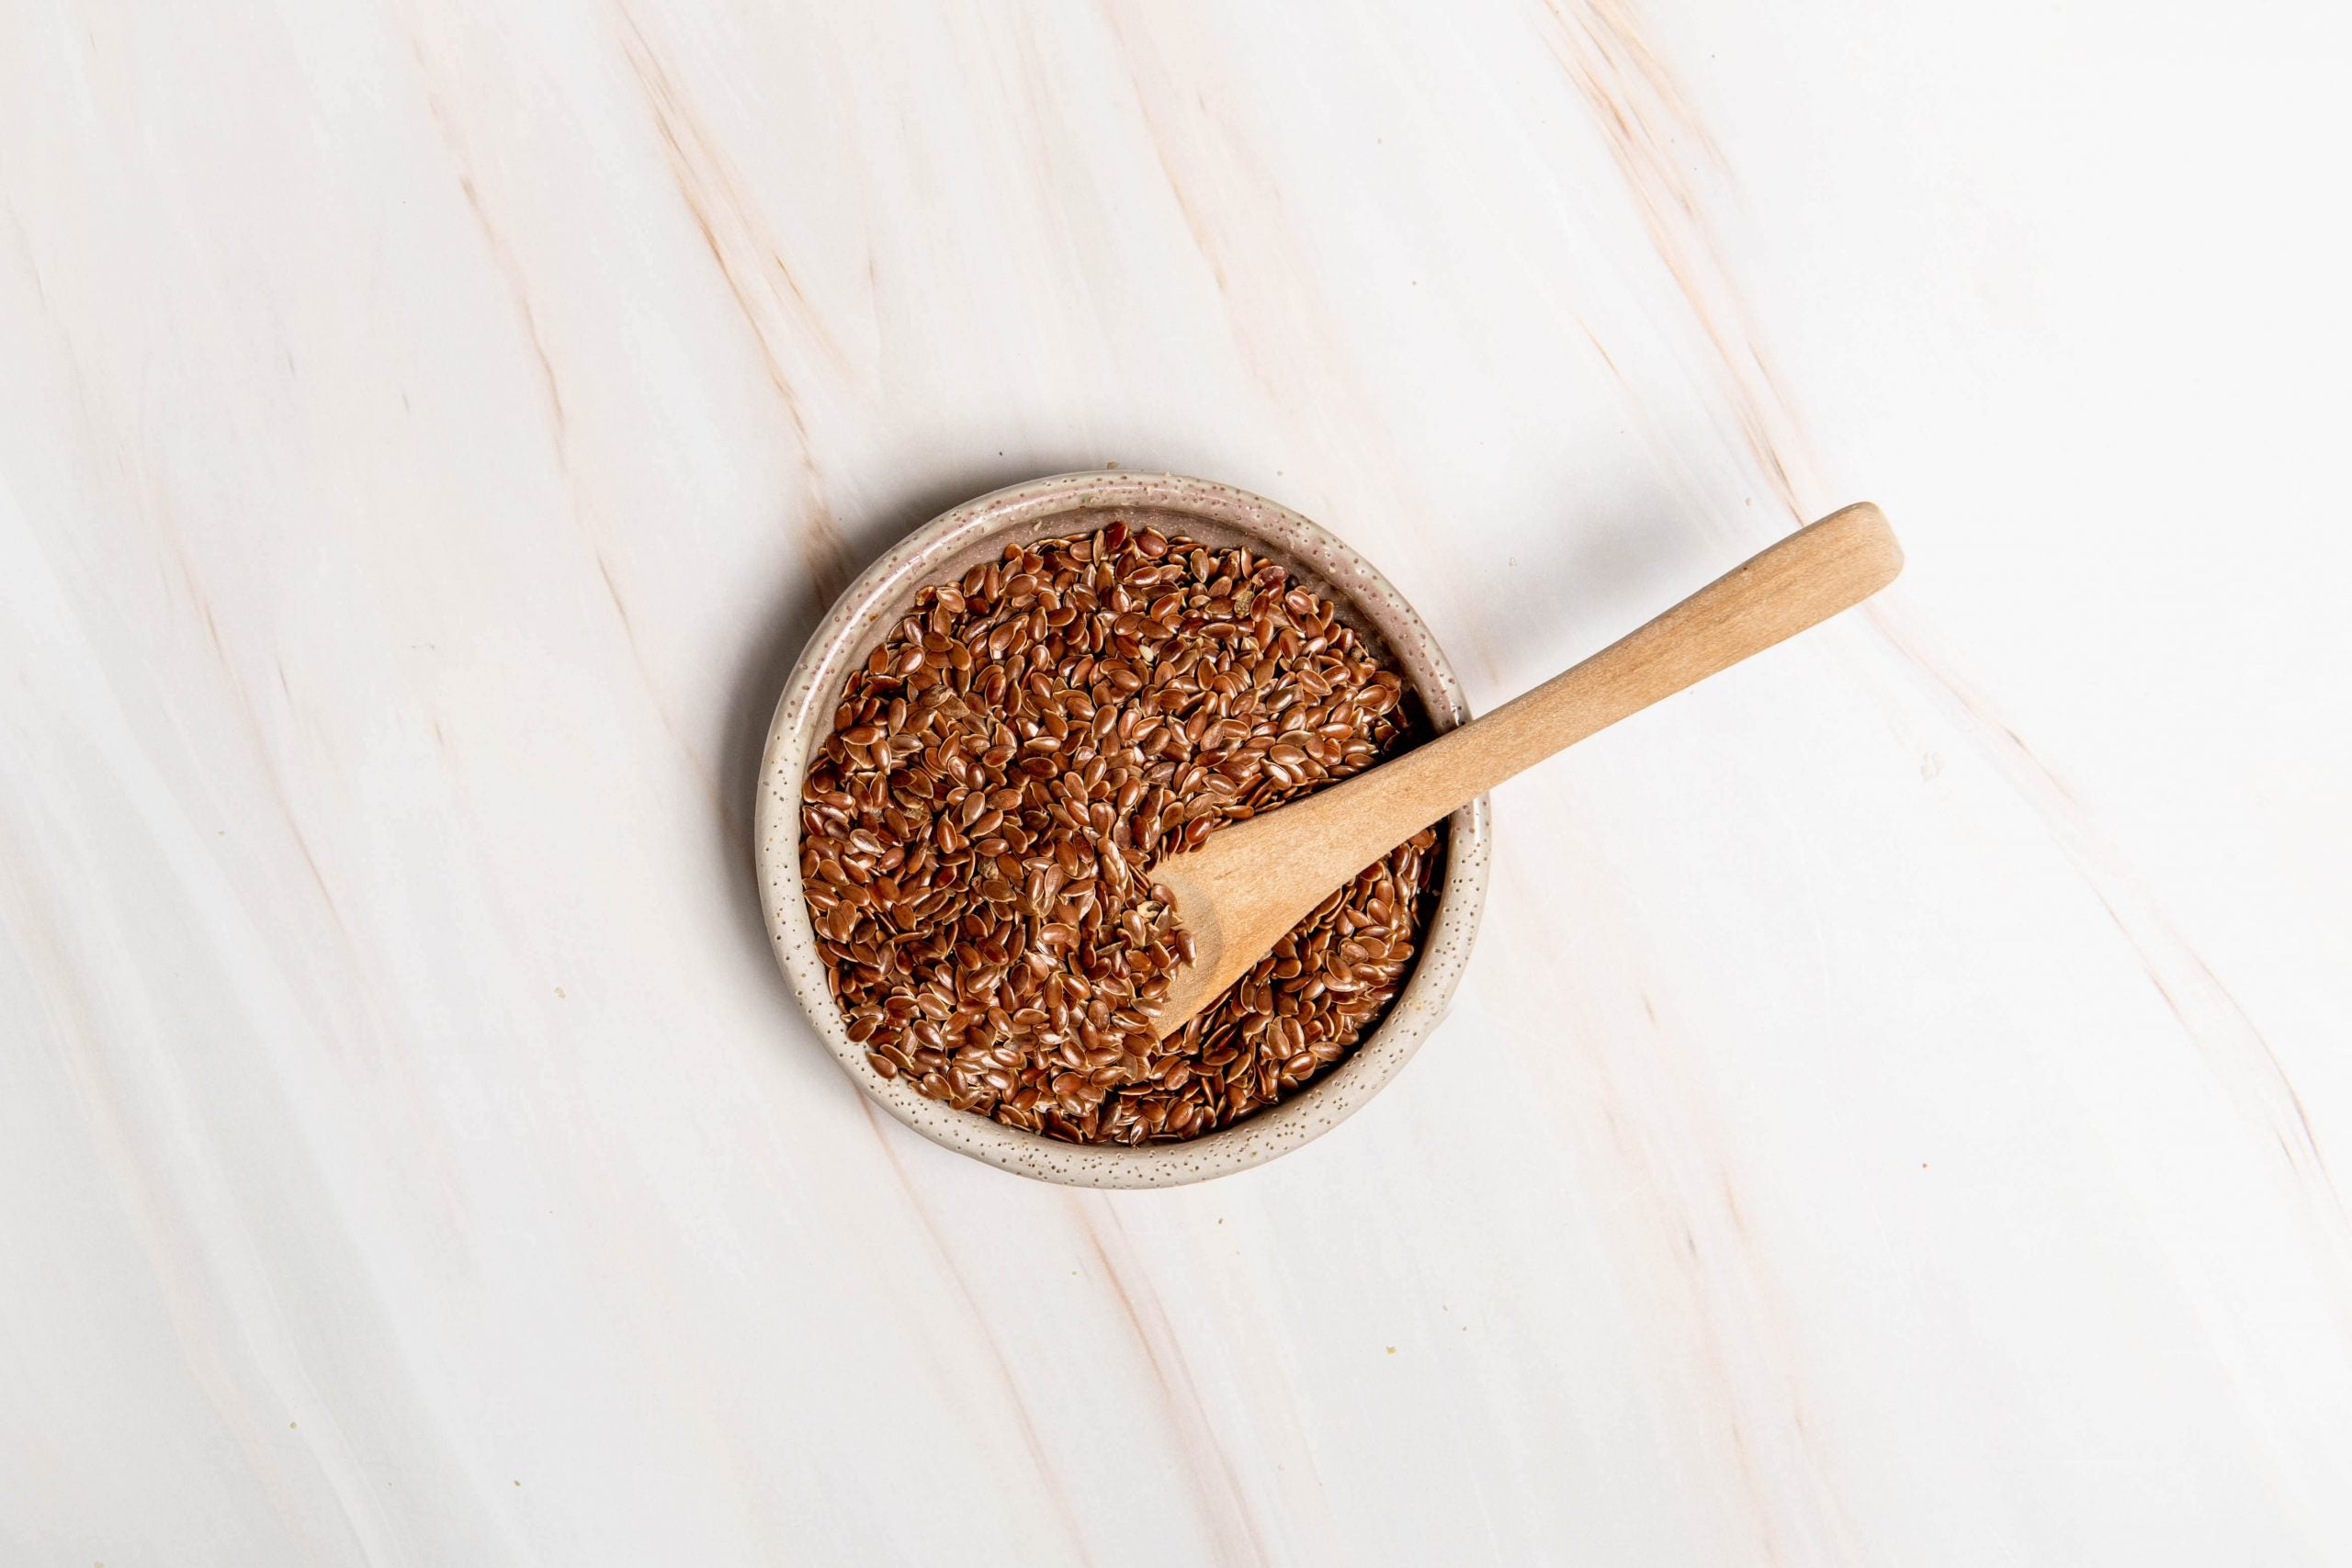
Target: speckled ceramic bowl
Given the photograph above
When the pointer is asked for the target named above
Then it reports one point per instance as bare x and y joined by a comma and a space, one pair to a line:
942, 550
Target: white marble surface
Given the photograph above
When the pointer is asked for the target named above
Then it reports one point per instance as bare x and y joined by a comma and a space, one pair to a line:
1898, 1110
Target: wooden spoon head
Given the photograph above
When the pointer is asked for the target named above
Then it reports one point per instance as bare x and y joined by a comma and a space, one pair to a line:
1235, 896
1200, 982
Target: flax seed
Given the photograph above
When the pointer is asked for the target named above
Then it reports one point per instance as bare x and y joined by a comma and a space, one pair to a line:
1005, 769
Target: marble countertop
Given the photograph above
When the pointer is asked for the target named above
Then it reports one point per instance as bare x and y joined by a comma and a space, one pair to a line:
1898, 1107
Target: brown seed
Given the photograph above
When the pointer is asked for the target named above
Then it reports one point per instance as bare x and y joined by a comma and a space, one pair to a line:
1004, 768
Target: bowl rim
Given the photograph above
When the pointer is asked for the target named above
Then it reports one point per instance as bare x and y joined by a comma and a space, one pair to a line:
803, 717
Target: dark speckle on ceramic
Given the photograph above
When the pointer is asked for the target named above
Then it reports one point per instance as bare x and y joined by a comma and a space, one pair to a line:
1070, 504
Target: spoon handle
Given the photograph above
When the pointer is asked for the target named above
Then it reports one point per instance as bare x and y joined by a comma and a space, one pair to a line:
1808, 577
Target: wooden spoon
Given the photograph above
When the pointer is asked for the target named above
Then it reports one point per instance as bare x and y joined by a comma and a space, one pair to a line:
1251, 882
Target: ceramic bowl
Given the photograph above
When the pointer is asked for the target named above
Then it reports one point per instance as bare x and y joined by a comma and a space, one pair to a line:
942, 550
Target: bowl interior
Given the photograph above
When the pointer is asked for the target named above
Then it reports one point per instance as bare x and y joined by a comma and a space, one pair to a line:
977, 532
